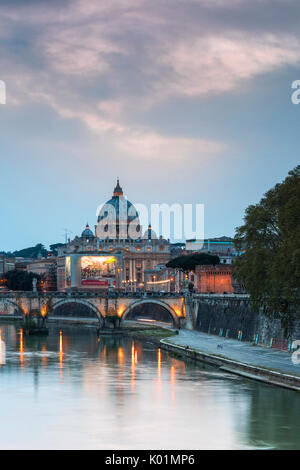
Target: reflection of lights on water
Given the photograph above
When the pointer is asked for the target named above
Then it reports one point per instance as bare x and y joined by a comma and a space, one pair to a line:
21, 347
132, 365
158, 380
172, 375
121, 355
159, 362
44, 358
60, 350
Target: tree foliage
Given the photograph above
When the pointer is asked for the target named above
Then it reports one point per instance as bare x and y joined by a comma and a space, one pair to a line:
31, 252
187, 263
270, 238
20, 280
53, 248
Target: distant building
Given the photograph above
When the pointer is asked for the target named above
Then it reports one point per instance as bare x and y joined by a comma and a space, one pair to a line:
160, 279
47, 268
123, 237
217, 279
226, 259
221, 245
22, 263
6, 264
213, 279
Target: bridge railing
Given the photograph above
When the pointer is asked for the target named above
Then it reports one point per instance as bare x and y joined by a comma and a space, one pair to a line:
116, 294
85, 294
221, 296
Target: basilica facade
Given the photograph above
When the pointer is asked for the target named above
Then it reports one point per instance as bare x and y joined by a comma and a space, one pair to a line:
118, 238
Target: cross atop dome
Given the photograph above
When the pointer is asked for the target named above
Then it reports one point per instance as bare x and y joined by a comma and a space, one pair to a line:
118, 190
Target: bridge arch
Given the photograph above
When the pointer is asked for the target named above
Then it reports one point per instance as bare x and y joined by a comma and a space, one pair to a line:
14, 304
161, 303
73, 303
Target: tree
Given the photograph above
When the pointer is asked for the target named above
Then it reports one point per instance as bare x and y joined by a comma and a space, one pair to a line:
32, 252
187, 263
270, 241
21, 280
53, 248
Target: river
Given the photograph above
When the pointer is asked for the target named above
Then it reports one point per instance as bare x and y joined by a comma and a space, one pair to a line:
72, 391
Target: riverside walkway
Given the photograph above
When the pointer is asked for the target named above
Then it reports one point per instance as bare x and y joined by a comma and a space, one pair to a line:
238, 352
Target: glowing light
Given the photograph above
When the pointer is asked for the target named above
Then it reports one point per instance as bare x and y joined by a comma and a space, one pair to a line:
121, 310
95, 269
159, 282
177, 311
25, 309
146, 319
44, 311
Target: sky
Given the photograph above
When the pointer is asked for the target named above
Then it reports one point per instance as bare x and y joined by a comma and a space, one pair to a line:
186, 101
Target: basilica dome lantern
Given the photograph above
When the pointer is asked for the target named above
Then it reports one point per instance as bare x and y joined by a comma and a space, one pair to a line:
118, 218
87, 234
149, 234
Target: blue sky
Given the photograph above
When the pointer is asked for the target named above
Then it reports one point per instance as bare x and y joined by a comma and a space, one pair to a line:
186, 101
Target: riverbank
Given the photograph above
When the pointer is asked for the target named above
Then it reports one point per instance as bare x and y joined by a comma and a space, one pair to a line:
153, 334
253, 362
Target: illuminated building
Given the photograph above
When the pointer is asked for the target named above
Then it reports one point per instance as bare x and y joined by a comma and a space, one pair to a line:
118, 233
214, 279
160, 279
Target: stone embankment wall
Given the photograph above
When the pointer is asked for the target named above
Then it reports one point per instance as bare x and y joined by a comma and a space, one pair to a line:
234, 317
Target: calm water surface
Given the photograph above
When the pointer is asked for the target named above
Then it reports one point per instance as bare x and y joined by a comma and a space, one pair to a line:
69, 391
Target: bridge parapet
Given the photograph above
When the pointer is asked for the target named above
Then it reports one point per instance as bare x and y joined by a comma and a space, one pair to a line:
78, 294
180, 306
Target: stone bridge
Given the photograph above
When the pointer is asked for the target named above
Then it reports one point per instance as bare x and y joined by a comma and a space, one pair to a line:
95, 305
191, 311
